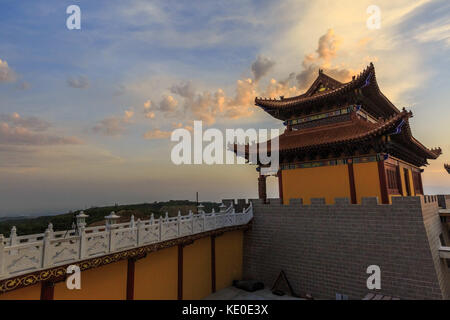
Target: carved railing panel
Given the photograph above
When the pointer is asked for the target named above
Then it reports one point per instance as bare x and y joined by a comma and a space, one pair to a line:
97, 243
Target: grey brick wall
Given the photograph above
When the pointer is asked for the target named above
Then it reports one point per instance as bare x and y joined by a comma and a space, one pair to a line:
326, 249
434, 228
444, 201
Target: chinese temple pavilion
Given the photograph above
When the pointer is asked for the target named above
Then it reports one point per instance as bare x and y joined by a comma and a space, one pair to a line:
345, 140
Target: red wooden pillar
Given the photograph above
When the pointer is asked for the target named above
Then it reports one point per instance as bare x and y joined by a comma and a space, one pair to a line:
213, 264
130, 278
351, 178
47, 290
180, 272
383, 183
262, 187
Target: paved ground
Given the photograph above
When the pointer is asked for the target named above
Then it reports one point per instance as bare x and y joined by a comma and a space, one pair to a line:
232, 293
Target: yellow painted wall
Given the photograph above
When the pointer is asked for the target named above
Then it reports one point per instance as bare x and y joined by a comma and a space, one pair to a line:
108, 282
197, 269
156, 276
327, 182
229, 254
28, 293
367, 180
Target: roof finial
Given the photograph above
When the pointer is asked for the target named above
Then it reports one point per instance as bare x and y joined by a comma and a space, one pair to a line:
320, 71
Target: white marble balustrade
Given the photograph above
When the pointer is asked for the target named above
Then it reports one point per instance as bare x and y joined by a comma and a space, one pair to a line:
29, 253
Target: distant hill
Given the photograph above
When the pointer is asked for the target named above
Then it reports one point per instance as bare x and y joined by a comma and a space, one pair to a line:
14, 218
27, 225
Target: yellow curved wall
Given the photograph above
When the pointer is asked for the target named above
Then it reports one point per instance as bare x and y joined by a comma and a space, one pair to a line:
28, 293
327, 182
197, 269
108, 282
229, 254
156, 276
367, 180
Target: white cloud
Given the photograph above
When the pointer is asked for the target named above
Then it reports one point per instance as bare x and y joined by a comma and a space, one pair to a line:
437, 31
6, 73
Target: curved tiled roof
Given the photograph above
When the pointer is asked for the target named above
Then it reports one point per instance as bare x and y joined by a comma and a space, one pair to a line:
365, 80
345, 132
353, 131
447, 167
357, 82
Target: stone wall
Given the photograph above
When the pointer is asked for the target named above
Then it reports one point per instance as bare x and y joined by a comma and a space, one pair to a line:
434, 228
326, 249
444, 201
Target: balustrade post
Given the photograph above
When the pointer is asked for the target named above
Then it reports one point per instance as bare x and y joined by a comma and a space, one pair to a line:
50, 229
133, 229
204, 218
83, 243
200, 211
2, 255
213, 215
160, 227
13, 236
132, 224
112, 240
139, 225
191, 217
46, 261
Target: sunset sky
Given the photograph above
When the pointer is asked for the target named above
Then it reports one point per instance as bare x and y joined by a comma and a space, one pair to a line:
86, 115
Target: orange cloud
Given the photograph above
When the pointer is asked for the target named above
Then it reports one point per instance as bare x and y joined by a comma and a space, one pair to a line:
114, 126
17, 130
157, 134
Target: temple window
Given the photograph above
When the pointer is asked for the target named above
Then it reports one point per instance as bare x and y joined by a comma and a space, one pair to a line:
417, 182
